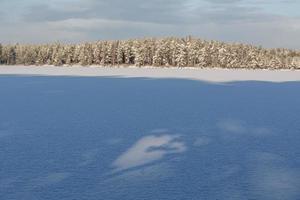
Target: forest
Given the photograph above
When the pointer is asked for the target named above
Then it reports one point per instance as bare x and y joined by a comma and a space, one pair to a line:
160, 52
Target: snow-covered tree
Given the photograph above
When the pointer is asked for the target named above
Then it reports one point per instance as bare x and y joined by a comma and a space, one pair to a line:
129, 52
1, 53
58, 56
121, 59
182, 54
69, 54
158, 52
162, 55
9, 55
106, 53
85, 56
141, 52
97, 48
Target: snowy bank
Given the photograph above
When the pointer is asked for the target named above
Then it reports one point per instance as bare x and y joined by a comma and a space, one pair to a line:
212, 75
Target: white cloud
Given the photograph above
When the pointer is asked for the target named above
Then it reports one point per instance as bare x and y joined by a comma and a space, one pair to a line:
202, 141
232, 126
280, 32
50, 179
38, 32
261, 131
267, 23
237, 127
273, 178
149, 149
88, 157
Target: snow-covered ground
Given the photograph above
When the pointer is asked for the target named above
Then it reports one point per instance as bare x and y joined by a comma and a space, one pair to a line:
213, 75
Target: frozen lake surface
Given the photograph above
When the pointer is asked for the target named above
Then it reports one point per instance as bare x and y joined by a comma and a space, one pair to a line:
142, 138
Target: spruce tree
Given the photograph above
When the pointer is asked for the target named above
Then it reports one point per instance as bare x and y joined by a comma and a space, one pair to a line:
1, 53
11, 57
97, 53
158, 52
121, 53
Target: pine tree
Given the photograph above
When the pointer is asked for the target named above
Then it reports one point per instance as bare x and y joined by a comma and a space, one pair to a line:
114, 51
42, 55
139, 53
158, 52
10, 55
182, 54
77, 52
69, 54
129, 52
161, 54
97, 47
58, 55
193, 47
1, 53
107, 54
89, 53
83, 57
121, 59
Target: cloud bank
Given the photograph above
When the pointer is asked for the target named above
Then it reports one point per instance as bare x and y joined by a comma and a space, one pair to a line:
273, 23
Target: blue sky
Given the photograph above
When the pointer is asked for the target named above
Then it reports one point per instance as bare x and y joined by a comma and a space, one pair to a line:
270, 23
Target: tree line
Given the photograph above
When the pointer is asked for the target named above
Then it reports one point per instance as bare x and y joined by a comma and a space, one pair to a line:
164, 52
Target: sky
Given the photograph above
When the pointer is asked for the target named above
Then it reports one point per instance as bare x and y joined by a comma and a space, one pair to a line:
269, 23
